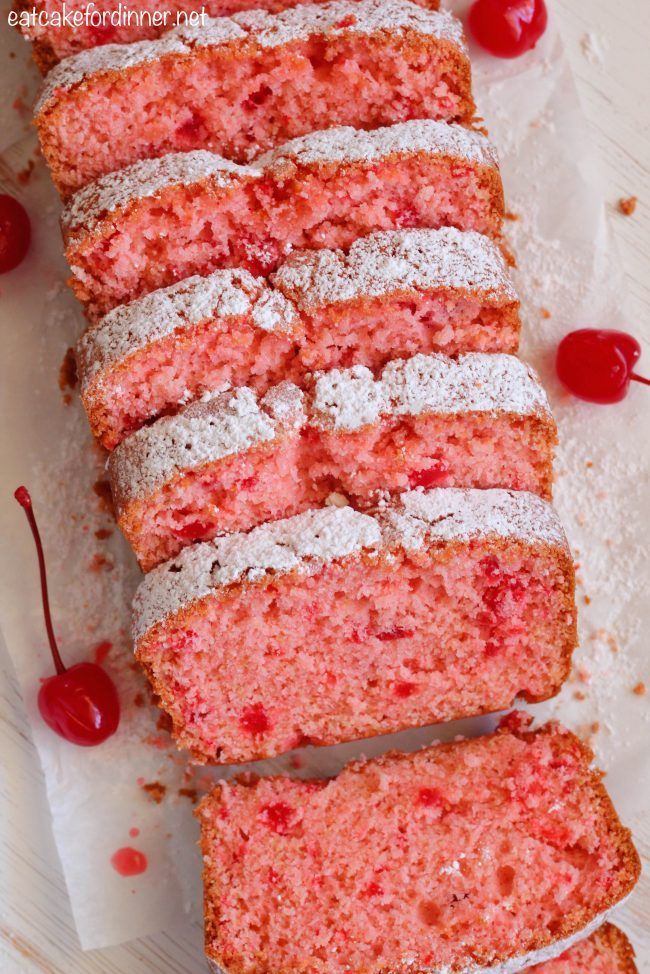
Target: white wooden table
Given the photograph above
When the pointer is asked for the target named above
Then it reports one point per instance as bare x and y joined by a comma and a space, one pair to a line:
607, 43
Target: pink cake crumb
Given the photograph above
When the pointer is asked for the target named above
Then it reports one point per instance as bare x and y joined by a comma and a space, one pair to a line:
391, 295
163, 220
233, 461
447, 604
520, 855
239, 85
54, 37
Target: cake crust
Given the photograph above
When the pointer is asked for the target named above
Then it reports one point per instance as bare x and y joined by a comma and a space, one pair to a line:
613, 938
326, 151
301, 545
340, 401
199, 609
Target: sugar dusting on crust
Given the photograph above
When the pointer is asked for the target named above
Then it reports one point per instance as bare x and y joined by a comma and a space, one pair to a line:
376, 265
333, 146
347, 399
307, 541
267, 30
303, 542
346, 144
206, 430
147, 178
219, 296
444, 514
337, 18
396, 260
342, 399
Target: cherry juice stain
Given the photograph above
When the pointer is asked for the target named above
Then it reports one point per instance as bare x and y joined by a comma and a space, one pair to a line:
129, 861
102, 650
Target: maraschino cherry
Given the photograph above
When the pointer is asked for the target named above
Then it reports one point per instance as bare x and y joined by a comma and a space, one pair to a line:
15, 233
508, 28
79, 703
597, 364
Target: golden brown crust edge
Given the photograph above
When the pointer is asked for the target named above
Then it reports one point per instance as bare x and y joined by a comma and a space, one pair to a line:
614, 939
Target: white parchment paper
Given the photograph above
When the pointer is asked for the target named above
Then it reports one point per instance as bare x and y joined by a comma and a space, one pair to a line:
568, 278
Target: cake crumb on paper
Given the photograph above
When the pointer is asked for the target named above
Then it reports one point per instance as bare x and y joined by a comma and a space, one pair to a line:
99, 563
155, 790
190, 793
627, 205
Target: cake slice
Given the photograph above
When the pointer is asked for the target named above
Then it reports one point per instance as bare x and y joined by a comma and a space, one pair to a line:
398, 292
162, 220
478, 855
239, 85
234, 461
336, 625
55, 35
607, 951
393, 294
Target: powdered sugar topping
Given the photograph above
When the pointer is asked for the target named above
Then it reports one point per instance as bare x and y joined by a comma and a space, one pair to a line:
286, 404
346, 144
265, 29
307, 541
304, 543
145, 179
273, 312
348, 399
396, 260
453, 513
220, 296
72, 71
348, 16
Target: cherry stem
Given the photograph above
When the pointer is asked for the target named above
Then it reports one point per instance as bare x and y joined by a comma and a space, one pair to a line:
640, 378
25, 501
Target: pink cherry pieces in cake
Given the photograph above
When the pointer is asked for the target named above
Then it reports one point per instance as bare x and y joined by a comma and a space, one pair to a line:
597, 364
80, 703
15, 233
508, 28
